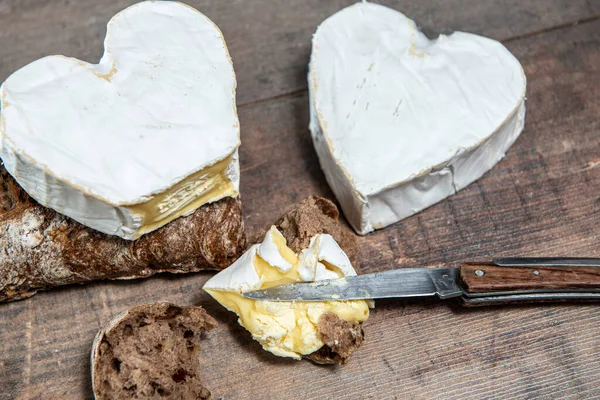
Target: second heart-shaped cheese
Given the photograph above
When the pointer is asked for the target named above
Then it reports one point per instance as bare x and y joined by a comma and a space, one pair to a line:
400, 121
127, 145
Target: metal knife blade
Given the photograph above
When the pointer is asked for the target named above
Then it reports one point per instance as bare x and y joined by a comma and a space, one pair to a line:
399, 283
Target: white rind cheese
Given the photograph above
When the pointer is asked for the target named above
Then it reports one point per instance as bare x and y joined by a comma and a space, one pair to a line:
269, 251
400, 122
286, 329
145, 136
239, 277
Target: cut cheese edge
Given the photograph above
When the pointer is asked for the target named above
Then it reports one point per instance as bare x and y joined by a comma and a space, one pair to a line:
286, 329
125, 146
400, 122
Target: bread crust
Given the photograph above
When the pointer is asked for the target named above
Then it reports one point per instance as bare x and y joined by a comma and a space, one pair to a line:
41, 249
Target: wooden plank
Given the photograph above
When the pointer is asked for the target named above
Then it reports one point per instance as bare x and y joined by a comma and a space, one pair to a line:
269, 40
542, 199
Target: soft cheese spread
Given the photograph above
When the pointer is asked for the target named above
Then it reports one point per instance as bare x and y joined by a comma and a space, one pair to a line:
287, 329
125, 146
399, 121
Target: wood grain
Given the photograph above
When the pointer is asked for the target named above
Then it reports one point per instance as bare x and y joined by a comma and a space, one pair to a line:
486, 278
269, 40
542, 199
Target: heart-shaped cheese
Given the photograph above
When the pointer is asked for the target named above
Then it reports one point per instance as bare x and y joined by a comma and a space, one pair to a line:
125, 146
400, 121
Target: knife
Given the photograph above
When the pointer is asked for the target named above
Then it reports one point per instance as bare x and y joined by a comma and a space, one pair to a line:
502, 281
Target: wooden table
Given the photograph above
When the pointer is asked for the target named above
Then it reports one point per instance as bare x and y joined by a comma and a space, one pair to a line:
542, 199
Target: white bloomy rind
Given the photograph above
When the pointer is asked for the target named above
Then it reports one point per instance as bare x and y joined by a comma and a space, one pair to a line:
241, 276
323, 248
269, 251
400, 122
91, 141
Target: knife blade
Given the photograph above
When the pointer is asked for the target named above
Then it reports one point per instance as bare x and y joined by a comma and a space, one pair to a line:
502, 281
407, 282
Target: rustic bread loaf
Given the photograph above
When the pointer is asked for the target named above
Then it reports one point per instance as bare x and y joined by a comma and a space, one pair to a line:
151, 352
41, 249
298, 225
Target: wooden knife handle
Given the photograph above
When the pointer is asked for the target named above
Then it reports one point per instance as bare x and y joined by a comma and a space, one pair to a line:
484, 278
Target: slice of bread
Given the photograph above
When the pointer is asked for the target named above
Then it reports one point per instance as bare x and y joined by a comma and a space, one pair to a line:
298, 225
312, 216
41, 249
151, 352
340, 339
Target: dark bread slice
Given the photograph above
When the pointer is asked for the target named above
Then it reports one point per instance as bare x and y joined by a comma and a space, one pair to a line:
312, 216
298, 225
341, 338
151, 352
41, 249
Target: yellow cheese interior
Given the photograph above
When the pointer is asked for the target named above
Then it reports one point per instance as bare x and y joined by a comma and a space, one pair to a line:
205, 186
287, 329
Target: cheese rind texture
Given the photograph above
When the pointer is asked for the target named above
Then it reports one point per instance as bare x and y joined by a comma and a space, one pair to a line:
400, 122
286, 329
148, 134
